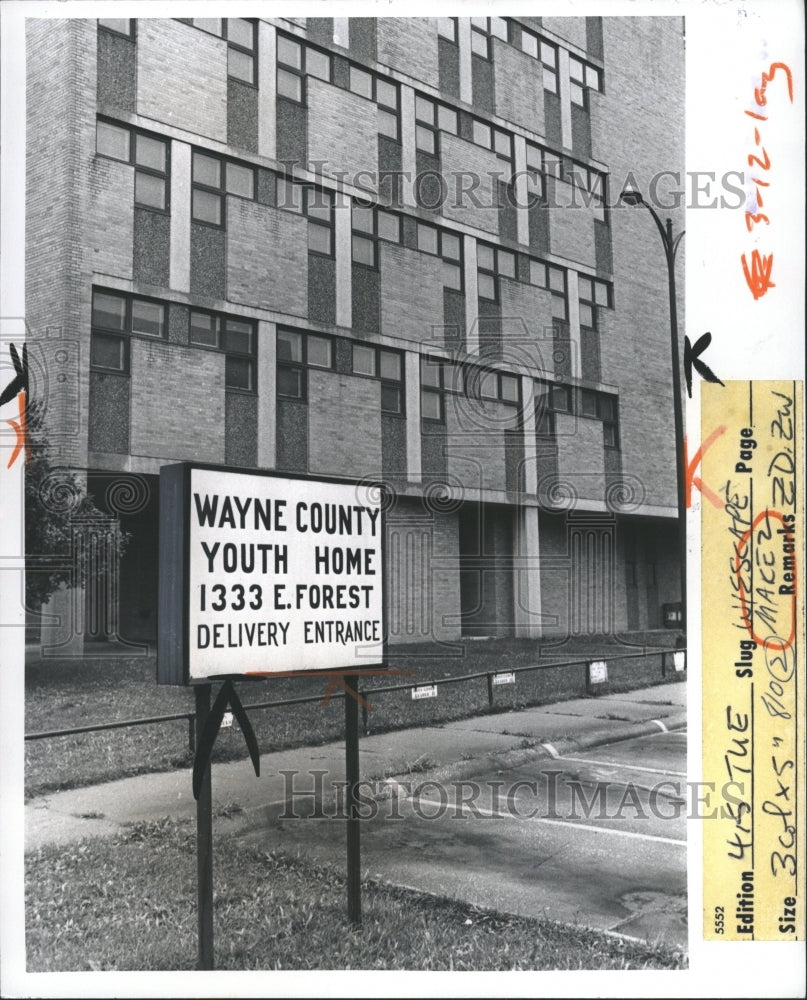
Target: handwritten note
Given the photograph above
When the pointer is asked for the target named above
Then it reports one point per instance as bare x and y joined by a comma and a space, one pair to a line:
753, 655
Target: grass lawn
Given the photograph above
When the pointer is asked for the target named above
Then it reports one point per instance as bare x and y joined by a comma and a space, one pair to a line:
128, 903
61, 694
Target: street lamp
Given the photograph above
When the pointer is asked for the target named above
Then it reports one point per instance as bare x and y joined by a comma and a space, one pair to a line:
631, 196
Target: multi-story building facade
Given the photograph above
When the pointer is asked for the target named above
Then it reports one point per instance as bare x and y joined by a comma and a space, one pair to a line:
386, 249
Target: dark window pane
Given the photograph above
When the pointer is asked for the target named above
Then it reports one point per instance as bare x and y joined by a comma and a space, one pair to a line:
589, 403
485, 258
120, 24
108, 352
318, 64
586, 315
425, 139
447, 119
363, 360
389, 227
318, 204
289, 346
109, 311
558, 307
560, 398
240, 66
487, 287
430, 405
319, 351
507, 264
609, 435
363, 219
430, 372
479, 44
149, 152
110, 140
427, 239
289, 85
290, 382
361, 83
238, 336
207, 207
209, 24
148, 318
391, 398
319, 238
509, 388
556, 279
601, 293
363, 251
386, 94
239, 30
289, 53
488, 385
389, 363
239, 373
387, 123
607, 408
502, 143
481, 134
206, 170
424, 110
204, 329
149, 190
452, 277
240, 180
450, 246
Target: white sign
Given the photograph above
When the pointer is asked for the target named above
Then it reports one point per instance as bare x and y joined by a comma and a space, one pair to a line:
597, 672
504, 678
424, 691
278, 574
679, 660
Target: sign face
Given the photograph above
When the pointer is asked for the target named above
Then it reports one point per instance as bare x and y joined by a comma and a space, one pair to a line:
424, 691
597, 672
274, 574
504, 678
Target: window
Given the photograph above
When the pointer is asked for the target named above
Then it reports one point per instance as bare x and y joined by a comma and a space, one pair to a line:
484, 134
549, 61
118, 25
447, 28
212, 178
241, 49
556, 282
296, 353
493, 385
431, 117
491, 263
318, 207
386, 365
550, 399
371, 224
235, 337
482, 30
295, 61
593, 293
432, 378
447, 245
115, 317
582, 77
148, 154
384, 92
600, 406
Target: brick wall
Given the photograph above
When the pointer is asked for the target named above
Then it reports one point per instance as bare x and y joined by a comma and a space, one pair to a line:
526, 324
411, 293
573, 29
111, 219
344, 425
475, 441
410, 46
342, 129
267, 257
60, 109
571, 224
581, 463
173, 415
642, 137
464, 158
519, 86
182, 77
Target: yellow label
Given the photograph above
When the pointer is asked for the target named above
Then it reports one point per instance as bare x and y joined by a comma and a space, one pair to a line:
752, 801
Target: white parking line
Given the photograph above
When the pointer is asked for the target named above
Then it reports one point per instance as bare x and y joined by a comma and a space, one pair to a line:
619, 763
495, 814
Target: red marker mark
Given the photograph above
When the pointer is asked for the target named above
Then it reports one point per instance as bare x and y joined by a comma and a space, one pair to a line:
19, 427
758, 276
691, 478
746, 613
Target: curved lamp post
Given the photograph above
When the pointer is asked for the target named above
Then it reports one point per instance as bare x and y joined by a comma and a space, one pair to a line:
631, 196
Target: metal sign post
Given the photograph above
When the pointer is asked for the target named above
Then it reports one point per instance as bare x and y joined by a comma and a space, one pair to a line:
204, 841
352, 778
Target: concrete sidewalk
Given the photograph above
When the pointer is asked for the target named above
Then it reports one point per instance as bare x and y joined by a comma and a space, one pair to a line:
451, 748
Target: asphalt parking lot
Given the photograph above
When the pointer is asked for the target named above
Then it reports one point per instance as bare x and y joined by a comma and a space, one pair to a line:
596, 838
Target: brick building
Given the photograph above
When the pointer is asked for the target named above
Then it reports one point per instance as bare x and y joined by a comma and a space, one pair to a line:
387, 249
